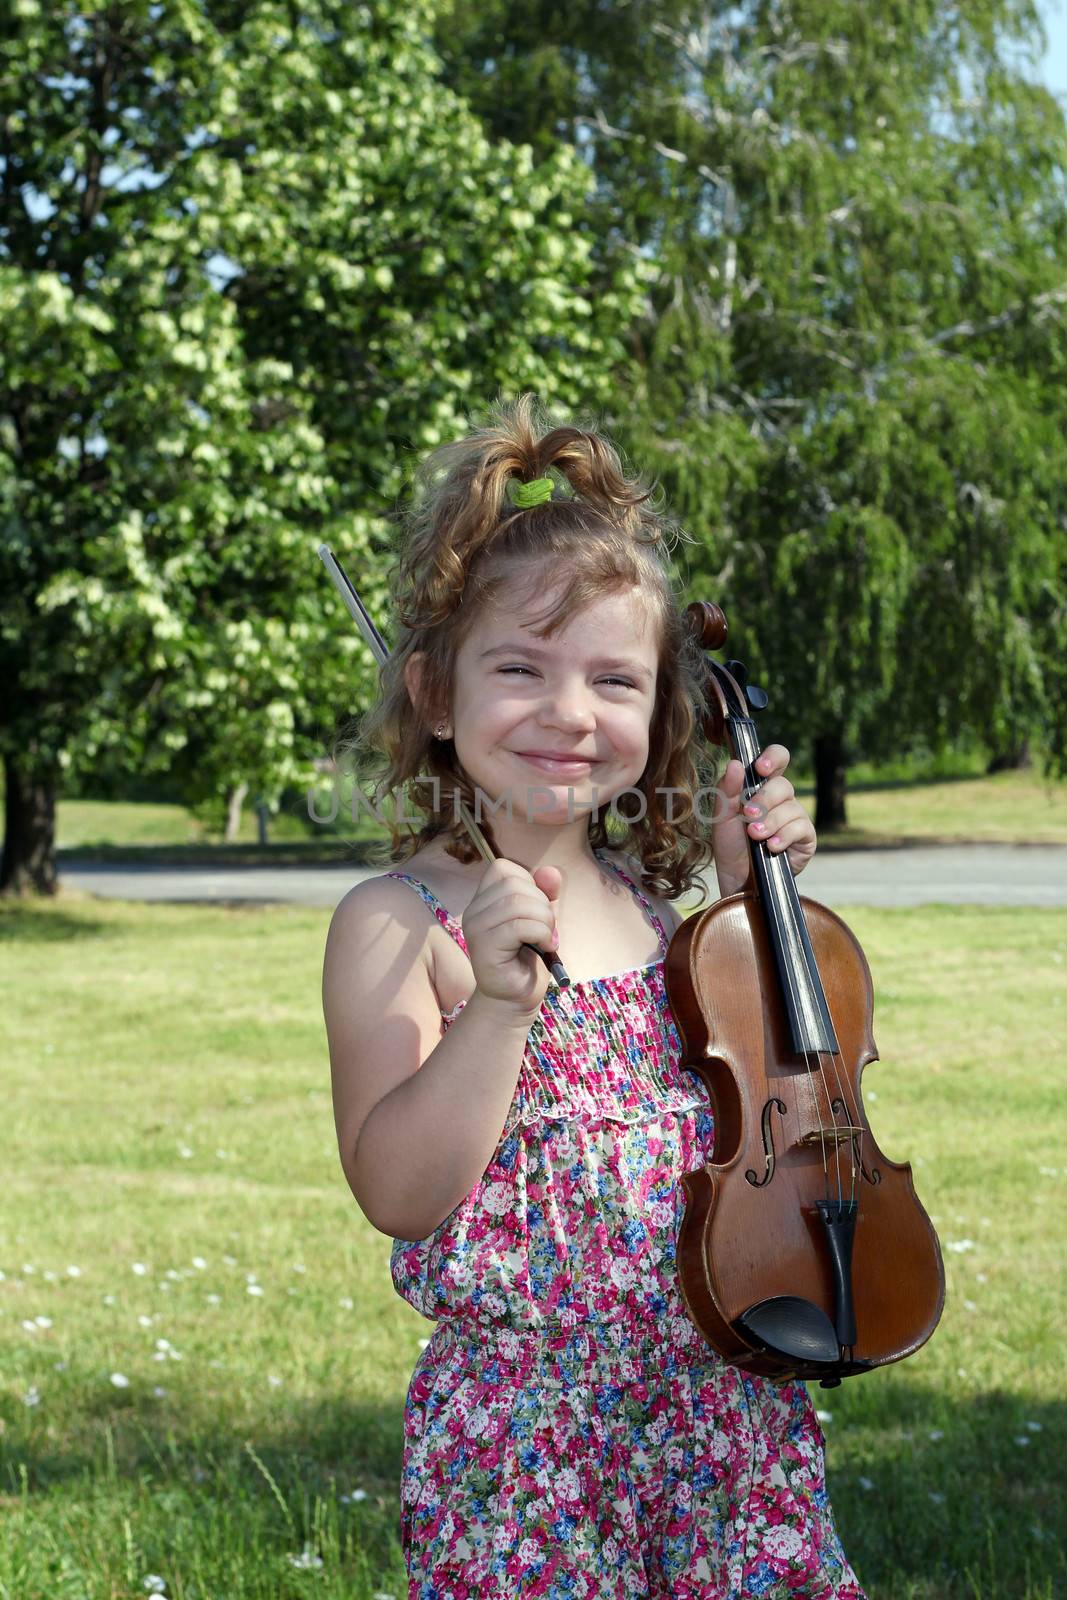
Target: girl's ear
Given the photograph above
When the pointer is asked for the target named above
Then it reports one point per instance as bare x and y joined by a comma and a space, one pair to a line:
413, 674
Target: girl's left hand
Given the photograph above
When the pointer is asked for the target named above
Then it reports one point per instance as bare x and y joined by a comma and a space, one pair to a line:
782, 820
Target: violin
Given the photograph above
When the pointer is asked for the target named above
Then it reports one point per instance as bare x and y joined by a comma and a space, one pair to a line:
803, 1251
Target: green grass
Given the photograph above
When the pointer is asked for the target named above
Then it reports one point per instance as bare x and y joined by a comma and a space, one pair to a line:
1009, 808
167, 1102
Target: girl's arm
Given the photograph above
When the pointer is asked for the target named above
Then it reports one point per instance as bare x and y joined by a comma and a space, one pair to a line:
418, 1116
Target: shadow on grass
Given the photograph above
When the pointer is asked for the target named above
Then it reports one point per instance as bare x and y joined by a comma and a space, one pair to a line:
302, 853
41, 922
954, 1511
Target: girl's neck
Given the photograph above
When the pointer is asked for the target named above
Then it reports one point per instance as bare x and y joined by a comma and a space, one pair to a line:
543, 845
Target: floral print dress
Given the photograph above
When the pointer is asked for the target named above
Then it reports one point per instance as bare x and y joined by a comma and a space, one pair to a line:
568, 1433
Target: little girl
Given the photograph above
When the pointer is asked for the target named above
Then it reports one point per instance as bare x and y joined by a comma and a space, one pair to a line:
568, 1433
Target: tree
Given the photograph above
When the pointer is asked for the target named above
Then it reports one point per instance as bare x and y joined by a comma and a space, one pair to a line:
279, 257
857, 217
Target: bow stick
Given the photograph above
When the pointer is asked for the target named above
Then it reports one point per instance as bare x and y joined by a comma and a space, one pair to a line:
380, 651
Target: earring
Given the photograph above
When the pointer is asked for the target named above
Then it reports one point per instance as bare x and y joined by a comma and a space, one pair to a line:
441, 730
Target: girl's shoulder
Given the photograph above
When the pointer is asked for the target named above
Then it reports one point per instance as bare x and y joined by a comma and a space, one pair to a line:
666, 910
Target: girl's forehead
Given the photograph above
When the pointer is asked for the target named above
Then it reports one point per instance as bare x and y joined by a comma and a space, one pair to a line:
522, 613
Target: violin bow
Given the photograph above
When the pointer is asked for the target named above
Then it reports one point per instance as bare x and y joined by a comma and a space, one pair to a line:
380, 651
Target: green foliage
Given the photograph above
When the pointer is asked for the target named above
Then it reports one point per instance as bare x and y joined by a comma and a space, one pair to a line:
281, 257
850, 367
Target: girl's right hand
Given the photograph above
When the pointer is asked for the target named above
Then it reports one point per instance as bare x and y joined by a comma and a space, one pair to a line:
511, 906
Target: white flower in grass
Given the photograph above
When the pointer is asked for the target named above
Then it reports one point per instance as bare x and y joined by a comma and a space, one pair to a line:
938, 1499
43, 1322
1035, 1427
30, 1327
74, 1272
354, 1498
140, 1268
28, 1266
936, 1433
154, 1584
60, 1366
184, 1151
825, 1416
274, 1382
298, 1266
255, 1288
231, 1261
959, 1246
865, 1483
159, 1392
199, 1263
108, 1300
385, 1594
306, 1558
3, 1277
214, 1299
1022, 1438
32, 1397
145, 1322
120, 1380
345, 1303
50, 1277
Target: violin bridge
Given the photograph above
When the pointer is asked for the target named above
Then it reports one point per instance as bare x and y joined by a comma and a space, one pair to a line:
835, 1133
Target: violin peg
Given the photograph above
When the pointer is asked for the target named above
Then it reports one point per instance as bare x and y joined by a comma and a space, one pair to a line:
757, 698
738, 671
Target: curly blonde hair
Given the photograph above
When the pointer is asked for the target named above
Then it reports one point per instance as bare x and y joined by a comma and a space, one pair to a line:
463, 541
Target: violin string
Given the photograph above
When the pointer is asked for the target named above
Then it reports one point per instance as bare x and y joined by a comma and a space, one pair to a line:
750, 754
850, 1110
778, 901
782, 866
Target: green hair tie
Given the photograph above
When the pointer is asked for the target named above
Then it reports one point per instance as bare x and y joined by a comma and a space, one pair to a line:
534, 493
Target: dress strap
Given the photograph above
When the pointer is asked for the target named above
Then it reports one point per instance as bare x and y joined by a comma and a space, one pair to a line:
651, 914
443, 915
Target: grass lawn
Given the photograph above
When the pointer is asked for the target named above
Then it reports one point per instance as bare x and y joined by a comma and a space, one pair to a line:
204, 1362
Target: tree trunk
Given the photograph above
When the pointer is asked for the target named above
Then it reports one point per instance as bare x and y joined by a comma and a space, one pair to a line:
263, 818
830, 781
1011, 757
233, 813
29, 862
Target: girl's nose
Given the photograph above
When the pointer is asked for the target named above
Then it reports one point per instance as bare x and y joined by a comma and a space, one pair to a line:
568, 710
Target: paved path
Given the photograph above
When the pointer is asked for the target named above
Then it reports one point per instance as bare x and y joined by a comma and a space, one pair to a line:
1006, 875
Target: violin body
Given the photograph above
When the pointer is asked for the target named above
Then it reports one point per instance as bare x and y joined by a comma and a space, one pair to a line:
742, 1242
803, 1252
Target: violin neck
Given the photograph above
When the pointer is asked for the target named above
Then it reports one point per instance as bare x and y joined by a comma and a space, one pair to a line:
803, 996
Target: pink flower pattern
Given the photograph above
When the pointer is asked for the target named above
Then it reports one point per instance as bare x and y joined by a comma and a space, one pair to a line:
568, 1433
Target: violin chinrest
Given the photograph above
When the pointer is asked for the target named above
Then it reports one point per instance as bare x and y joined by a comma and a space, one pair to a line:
793, 1327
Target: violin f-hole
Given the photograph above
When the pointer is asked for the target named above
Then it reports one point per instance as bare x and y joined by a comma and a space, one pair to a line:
773, 1104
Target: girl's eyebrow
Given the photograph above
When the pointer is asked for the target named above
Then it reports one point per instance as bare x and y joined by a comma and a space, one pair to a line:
538, 654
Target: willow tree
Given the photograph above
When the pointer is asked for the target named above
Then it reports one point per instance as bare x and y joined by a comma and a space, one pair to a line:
849, 377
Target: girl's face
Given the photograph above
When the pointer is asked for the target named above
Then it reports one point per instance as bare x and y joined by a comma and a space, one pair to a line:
587, 693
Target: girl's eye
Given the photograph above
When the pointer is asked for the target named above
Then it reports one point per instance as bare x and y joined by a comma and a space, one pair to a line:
625, 682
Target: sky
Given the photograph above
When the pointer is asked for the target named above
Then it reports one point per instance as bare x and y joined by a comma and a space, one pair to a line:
1054, 66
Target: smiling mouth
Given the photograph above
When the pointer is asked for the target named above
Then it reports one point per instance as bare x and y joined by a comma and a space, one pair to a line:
556, 763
